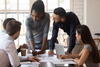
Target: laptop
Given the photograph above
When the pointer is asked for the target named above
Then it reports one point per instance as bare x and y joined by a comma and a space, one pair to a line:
59, 49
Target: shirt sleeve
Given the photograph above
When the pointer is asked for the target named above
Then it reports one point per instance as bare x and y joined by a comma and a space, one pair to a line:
29, 34
54, 36
72, 35
74, 21
46, 28
12, 54
88, 47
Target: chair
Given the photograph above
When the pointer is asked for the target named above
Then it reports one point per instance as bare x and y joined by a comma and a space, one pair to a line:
4, 60
97, 40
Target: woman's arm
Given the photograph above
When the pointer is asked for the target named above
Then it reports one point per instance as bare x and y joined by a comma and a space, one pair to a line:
69, 56
45, 34
84, 55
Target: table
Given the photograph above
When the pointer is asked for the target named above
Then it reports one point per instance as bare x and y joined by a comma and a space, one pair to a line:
49, 61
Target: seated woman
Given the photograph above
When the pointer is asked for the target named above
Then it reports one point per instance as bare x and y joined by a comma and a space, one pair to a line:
89, 54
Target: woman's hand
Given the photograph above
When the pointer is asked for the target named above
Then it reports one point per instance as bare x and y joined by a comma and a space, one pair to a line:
50, 53
76, 60
64, 56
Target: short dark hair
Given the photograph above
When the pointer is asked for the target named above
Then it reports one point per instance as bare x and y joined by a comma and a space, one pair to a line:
13, 27
38, 6
60, 11
6, 21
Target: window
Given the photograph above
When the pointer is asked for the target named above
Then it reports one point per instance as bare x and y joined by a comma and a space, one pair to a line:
2, 4
56, 3
11, 4
78, 9
23, 4
2, 17
18, 9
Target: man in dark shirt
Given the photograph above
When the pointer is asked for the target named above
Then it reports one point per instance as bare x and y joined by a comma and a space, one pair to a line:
67, 22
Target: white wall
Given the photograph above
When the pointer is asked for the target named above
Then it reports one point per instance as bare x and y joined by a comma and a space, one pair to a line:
92, 10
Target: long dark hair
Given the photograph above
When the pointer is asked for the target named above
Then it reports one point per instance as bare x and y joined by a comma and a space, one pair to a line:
86, 37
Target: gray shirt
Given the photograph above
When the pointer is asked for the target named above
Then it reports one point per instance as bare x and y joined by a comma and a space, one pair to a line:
37, 30
89, 62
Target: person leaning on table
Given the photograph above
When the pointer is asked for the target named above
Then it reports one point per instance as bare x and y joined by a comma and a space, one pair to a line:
89, 54
37, 26
7, 43
67, 21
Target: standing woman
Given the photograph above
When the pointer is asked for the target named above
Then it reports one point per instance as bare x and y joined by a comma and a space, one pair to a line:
89, 54
37, 25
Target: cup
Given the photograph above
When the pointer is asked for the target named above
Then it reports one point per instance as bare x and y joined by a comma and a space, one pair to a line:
23, 51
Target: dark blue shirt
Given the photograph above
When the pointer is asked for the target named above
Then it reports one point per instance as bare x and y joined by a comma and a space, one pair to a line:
68, 26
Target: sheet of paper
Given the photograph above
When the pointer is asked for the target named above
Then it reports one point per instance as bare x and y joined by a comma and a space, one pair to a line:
55, 60
30, 64
65, 61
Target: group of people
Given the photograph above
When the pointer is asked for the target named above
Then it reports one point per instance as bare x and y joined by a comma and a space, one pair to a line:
37, 27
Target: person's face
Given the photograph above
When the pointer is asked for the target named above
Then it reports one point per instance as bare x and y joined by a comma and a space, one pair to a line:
36, 16
78, 36
57, 18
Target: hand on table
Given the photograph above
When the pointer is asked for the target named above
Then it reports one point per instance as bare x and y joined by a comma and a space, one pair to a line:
64, 56
50, 52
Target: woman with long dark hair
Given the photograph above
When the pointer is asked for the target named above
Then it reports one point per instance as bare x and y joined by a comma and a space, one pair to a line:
89, 54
